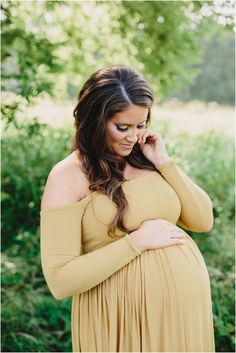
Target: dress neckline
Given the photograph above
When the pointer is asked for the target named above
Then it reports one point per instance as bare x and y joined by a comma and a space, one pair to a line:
80, 202
139, 177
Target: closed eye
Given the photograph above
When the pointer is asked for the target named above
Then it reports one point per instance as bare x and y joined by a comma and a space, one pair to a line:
123, 129
141, 126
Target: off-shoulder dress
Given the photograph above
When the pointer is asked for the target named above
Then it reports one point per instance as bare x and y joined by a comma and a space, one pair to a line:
124, 300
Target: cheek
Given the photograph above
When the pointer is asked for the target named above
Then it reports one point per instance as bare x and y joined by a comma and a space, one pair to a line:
114, 135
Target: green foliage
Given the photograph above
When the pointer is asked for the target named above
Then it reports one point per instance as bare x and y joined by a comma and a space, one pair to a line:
28, 58
164, 40
30, 149
32, 320
216, 79
53, 46
209, 160
216, 175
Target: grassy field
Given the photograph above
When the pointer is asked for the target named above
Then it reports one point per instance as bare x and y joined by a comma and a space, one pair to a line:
194, 117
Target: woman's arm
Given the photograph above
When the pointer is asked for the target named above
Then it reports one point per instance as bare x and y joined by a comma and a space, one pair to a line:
196, 207
66, 270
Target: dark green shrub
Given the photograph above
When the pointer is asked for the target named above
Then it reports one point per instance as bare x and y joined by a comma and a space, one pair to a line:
30, 149
209, 161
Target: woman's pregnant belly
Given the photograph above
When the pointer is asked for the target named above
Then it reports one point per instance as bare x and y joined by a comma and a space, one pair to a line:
175, 274
177, 270
163, 295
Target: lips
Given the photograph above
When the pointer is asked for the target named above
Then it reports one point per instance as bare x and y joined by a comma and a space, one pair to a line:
127, 146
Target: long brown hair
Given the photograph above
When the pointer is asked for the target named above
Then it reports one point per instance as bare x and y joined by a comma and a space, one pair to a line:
107, 92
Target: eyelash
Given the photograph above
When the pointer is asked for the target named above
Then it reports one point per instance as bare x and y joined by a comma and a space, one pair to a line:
126, 128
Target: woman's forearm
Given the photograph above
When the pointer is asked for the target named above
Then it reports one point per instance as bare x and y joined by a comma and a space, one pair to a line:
67, 271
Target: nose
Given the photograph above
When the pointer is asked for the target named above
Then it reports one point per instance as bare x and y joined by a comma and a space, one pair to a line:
132, 137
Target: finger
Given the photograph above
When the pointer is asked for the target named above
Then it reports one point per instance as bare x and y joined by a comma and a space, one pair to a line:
143, 137
177, 235
177, 241
152, 138
181, 241
174, 228
150, 135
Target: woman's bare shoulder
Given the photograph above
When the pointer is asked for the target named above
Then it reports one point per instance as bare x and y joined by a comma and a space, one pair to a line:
66, 183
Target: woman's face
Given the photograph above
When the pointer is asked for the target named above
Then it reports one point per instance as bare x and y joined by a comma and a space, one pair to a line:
124, 129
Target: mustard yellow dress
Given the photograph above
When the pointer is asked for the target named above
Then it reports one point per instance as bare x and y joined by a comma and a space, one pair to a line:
124, 300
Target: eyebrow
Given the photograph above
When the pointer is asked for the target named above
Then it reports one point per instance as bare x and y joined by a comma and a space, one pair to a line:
144, 121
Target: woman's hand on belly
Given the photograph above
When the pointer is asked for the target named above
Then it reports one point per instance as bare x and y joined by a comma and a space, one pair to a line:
159, 233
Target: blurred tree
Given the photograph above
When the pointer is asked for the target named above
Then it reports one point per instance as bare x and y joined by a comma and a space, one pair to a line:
53, 46
216, 80
28, 58
164, 38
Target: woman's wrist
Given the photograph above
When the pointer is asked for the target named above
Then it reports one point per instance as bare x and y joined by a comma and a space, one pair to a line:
137, 240
162, 161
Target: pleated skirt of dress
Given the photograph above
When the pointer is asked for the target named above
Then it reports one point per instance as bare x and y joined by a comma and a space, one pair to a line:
159, 302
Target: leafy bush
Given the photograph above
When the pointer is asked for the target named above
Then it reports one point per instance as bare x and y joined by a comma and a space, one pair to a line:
209, 160
32, 319
30, 150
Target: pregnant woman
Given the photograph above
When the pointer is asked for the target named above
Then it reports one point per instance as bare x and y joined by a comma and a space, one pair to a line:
111, 214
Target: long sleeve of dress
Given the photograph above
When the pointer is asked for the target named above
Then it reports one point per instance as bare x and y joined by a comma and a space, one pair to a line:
66, 269
196, 207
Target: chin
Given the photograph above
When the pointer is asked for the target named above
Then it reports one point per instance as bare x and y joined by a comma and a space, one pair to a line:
120, 153
124, 154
